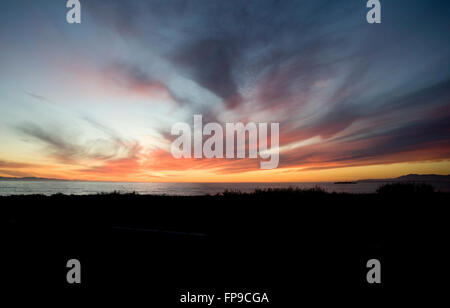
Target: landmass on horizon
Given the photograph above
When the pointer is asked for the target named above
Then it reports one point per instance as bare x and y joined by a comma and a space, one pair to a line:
406, 178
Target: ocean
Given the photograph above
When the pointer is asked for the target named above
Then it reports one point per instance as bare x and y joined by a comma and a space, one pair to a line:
85, 188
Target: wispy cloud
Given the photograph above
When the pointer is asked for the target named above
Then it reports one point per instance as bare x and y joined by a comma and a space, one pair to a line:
344, 92
39, 97
62, 146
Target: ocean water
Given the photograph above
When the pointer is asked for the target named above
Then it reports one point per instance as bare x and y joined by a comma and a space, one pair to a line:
84, 188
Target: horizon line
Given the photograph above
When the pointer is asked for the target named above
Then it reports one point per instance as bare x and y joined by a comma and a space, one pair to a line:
215, 182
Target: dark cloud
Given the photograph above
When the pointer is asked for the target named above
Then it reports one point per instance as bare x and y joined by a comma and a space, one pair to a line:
215, 42
56, 144
425, 139
210, 63
39, 97
283, 50
15, 165
135, 79
130, 75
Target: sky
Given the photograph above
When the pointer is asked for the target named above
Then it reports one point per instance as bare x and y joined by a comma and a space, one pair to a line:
97, 100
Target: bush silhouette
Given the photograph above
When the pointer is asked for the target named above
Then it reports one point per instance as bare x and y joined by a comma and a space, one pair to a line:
405, 188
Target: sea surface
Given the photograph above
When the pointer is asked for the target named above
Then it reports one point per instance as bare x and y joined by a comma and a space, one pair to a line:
84, 188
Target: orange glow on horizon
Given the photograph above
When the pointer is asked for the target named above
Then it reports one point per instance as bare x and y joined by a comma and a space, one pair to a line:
292, 174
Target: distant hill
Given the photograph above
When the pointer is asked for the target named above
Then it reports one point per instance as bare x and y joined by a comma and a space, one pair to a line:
413, 178
403, 178
28, 179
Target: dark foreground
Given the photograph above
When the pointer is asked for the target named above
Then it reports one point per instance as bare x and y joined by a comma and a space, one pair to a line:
292, 245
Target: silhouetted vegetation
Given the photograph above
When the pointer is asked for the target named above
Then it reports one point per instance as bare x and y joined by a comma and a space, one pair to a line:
277, 191
128, 240
405, 188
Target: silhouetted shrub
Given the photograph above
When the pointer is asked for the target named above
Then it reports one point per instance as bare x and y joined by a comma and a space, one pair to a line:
405, 188
291, 191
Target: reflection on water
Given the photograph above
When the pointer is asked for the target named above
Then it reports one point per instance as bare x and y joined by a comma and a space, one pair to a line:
83, 188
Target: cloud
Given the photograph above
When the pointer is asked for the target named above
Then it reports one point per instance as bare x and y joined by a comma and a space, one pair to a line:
59, 147
14, 173
64, 148
210, 62
118, 167
39, 97
136, 80
15, 165
369, 94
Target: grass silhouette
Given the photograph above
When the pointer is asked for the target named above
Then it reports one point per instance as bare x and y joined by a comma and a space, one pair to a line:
250, 241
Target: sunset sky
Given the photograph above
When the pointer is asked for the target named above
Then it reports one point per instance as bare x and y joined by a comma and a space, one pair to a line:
97, 100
